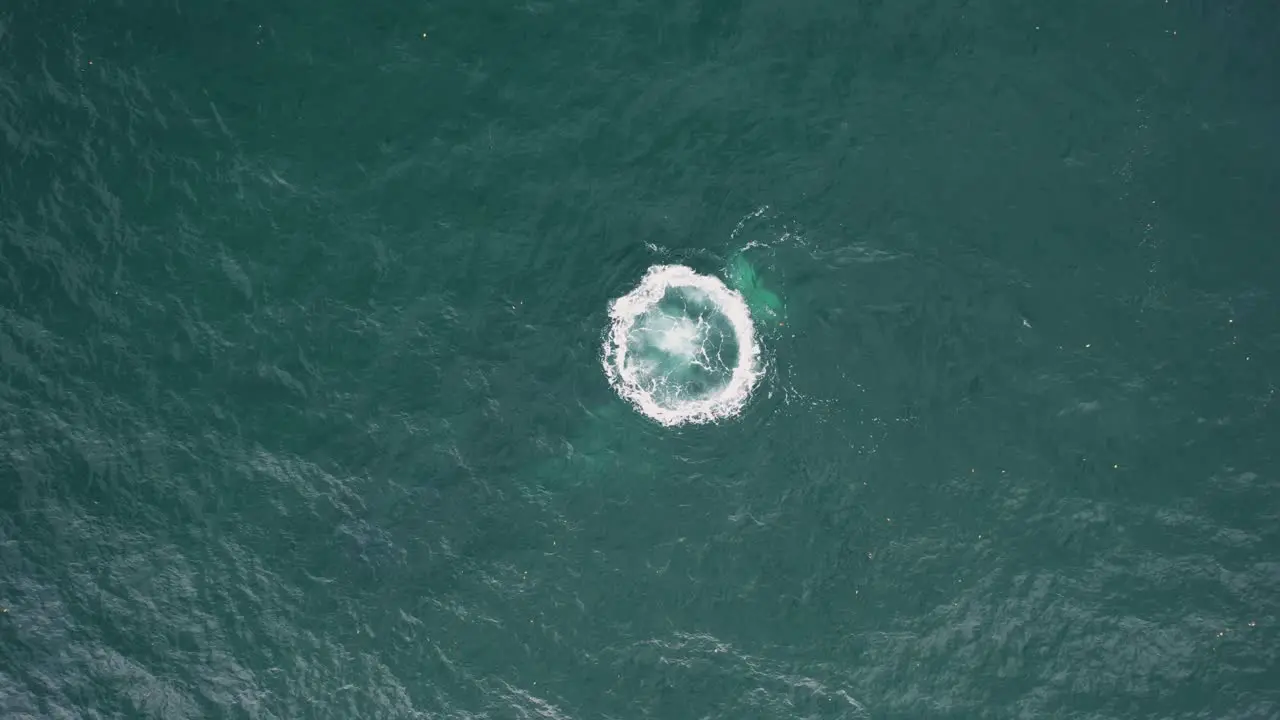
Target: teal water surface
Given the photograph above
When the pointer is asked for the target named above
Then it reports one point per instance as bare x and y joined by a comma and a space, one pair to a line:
302, 412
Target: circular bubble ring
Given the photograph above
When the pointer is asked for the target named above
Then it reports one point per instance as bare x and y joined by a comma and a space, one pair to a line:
725, 401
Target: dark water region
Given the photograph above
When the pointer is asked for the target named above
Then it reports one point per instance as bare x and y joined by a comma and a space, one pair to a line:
302, 412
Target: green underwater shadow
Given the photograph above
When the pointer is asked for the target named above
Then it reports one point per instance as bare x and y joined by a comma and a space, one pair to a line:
767, 307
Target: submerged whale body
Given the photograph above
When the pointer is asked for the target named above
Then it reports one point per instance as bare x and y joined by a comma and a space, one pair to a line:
763, 302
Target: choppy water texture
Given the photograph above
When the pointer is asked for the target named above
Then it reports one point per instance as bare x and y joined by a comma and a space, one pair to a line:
301, 404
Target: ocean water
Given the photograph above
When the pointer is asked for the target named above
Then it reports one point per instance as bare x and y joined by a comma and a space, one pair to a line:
302, 410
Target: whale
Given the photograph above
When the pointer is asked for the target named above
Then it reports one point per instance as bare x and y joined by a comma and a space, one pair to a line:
765, 304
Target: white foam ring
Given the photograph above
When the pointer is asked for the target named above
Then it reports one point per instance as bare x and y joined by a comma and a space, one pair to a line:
631, 379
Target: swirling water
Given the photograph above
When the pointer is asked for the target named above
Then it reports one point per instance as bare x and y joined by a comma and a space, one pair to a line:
301, 408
